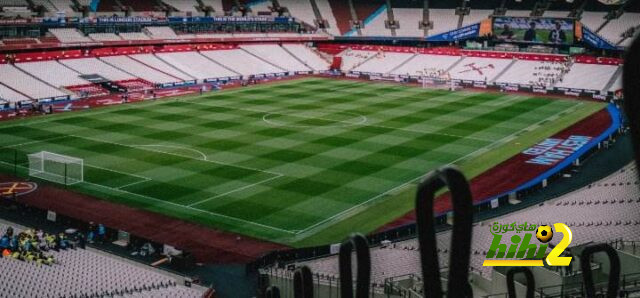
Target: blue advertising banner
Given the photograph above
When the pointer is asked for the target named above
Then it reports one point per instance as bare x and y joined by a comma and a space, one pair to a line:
470, 31
592, 39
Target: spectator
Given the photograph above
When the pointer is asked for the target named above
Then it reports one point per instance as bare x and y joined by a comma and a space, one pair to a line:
530, 34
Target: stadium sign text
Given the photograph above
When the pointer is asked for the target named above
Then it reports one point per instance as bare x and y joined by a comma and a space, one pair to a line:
521, 252
552, 151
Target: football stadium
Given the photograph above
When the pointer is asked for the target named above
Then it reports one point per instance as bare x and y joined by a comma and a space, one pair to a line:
319, 148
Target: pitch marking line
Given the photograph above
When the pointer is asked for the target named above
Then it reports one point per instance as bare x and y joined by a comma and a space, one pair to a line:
346, 213
236, 190
35, 141
204, 156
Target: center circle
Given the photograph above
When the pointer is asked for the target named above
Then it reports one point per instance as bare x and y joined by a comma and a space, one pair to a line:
313, 118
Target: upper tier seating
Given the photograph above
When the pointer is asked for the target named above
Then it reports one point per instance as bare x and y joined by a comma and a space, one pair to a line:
9, 95
589, 212
161, 33
69, 35
383, 63
183, 5
409, 19
301, 10
53, 73
443, 20
534, 73
615, 28
479, 69
597, 78
242, 62
375, 26
196, 65
327, 14
134, 36
154, 62
307, 56
18, 80
46, 4
140, 70
277, 56
556, 13
429, 65
593, 20
352, 59
518, 13
90, 66
104, 37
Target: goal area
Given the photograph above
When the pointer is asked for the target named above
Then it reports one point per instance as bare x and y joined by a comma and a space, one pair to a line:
58, 168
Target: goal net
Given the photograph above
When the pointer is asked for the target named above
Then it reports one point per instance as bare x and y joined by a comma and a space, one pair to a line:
57, 168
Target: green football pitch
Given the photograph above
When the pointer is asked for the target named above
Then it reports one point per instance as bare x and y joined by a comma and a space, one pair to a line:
298, 162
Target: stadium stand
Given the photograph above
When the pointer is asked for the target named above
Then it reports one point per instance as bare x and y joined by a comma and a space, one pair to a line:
352, 59
593, 19
139, 70
409, 19
16, 79
216, 5
479, 69
307, 56
599, 76
443, 20
277, 56
242, 62
160, 33
302, 10
196, 65
327, 14
374, 25
53, 73
86, 272
182, 5
156, 63
534, 73
10, 95
383, 63
93, 66
69, 35
426, 65
476, 16
614, 29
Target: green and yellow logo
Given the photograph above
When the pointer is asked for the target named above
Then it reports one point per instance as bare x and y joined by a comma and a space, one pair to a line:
521, 252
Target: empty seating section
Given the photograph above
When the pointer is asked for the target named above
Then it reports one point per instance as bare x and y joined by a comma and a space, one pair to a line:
90, 66
161, 33
586, 211
476, 16
138, 5
352, 59
534, 73
196, 65
307, 56
592, 20
426, 65
597, 78
64, 5
13, 3
139, 70
86, 273
518, 13
242, 62
375, 25
617, 84
479, 69
9, 95
134, 36
615, 28
53, 73
104, 37
260, 6
274, 54
383, 63
69, 35
325, 10
154, 62
18, 80
182, 5
443, 20
409, 19
301, 10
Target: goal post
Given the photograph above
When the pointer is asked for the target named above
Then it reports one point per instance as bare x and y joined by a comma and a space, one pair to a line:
56, 168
